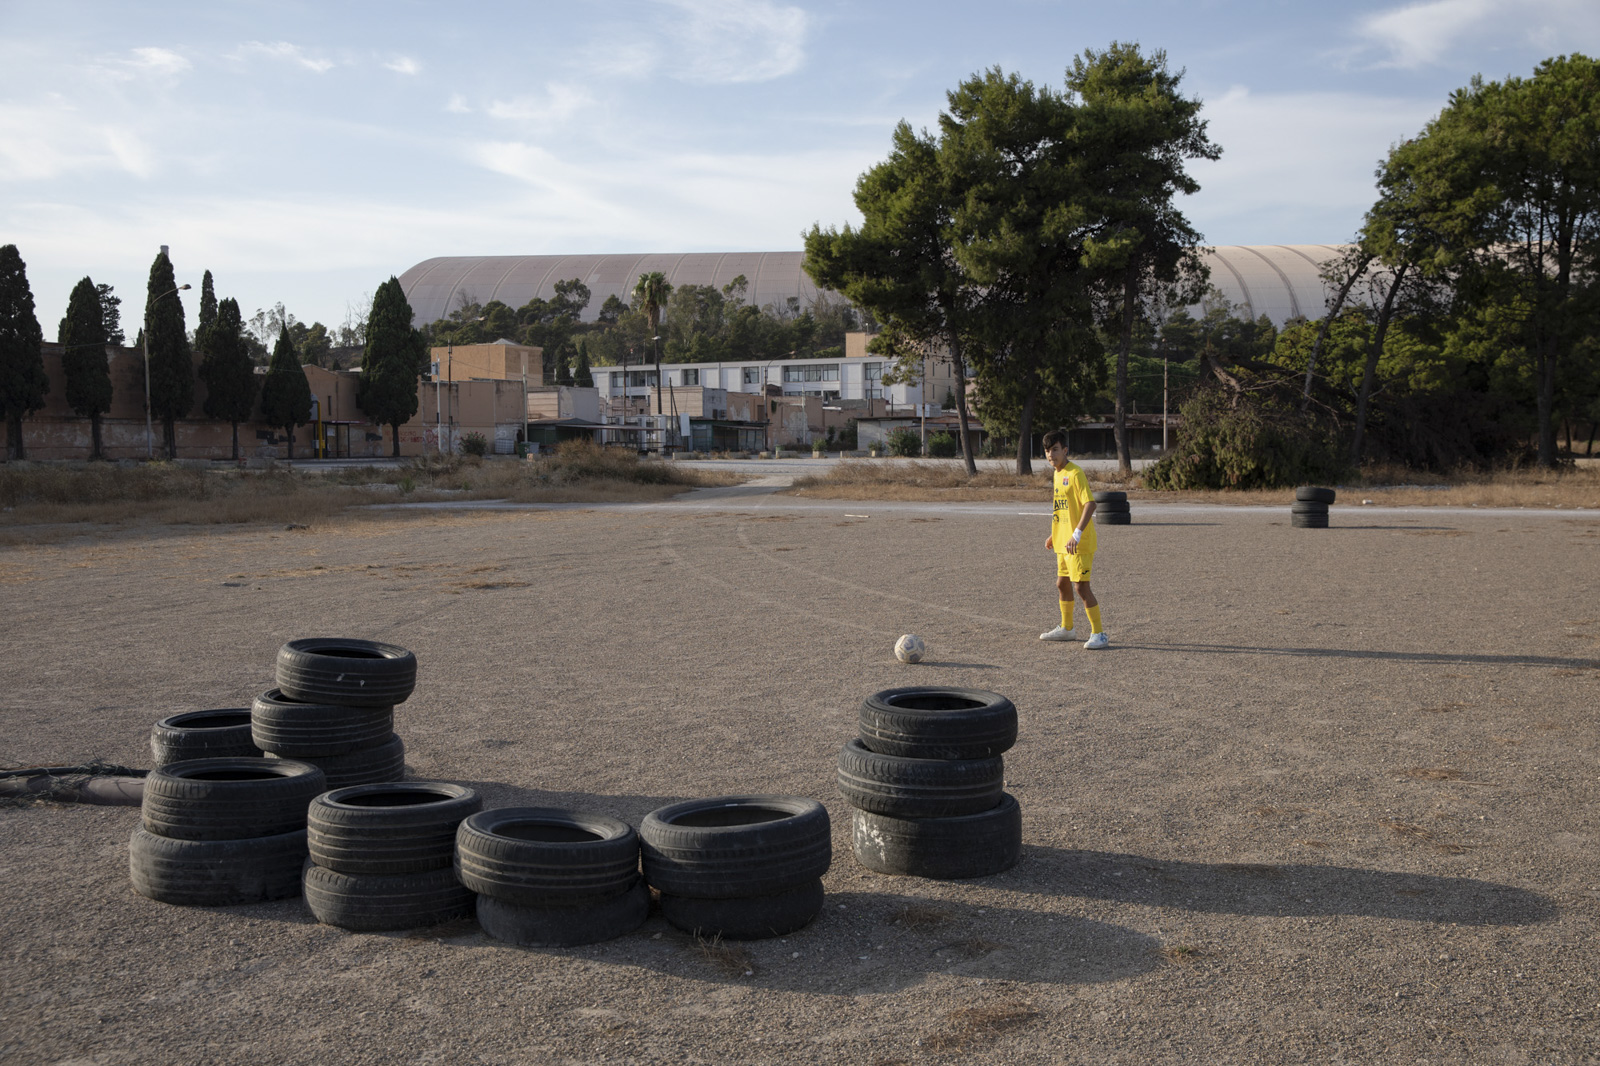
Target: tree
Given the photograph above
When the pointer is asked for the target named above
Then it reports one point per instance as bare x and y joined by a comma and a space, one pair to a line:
208, 312
582, 376
396, 356
228, 371
23, 383
286, 395
314, 344
564, 372
1505, 181
166, 340
83, 360
650, 293
1133, 133
111, 309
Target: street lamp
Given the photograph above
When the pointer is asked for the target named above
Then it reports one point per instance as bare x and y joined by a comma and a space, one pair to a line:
149, 427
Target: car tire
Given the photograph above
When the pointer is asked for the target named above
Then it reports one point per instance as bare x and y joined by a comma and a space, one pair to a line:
223, 733
1314, 494
377, 902
944, 849
342, 670
366, 766
728, 847
398, 827
565, 927
918, 788
291, 728
1308, 521
1308, 507
216, 873
938, 723
546, 857
1110, 497
748, 917
229, 799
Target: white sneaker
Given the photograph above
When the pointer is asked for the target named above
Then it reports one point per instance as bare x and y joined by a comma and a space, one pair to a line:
1058, 633
1097, 641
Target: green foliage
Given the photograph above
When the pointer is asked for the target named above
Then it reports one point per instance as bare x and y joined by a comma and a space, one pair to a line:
171, 365
943, 445
314, 343
228, 371
83, 358
564, 371
1252, 441
286, 395
208, 312
582, 377
396, 356
905, 443
23, 383
111, 314
475, 444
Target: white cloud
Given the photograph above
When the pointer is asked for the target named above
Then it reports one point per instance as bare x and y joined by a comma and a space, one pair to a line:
403, 65
731, 41
159, 61
557, 104
47, 140
283, 51
458, 105
1424, 34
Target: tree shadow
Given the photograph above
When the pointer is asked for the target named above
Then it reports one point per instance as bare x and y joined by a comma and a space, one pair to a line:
1435, 658
1292, 890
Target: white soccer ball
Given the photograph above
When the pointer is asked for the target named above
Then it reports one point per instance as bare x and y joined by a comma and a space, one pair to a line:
910, 649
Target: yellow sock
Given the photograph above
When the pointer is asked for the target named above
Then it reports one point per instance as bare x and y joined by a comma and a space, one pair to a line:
1094, 618
1066, 614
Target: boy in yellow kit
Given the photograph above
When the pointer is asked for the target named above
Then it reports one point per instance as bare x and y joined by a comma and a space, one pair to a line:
1072, 537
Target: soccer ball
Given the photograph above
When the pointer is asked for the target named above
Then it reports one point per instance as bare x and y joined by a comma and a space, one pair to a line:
910, 649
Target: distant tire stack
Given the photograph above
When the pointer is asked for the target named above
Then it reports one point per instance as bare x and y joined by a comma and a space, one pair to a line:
382, 855
223, 831
1111, 508
1310, 510
546, 877
215, 734
334, 708
927, 783
738, 867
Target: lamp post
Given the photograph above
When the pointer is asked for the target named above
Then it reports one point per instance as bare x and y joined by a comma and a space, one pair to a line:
149, 426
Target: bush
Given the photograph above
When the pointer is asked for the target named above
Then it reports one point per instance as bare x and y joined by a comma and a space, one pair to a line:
1253, 443
905, 443
475, 444
846, 440
944, 445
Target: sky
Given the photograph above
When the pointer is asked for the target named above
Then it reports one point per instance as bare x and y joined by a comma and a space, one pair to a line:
306, 152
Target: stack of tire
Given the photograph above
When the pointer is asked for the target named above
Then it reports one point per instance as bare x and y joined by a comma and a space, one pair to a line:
1111, 508
215, 734
382, 856
333, 707
547, 877
222, 831
1310, 510
926, 779
738, 867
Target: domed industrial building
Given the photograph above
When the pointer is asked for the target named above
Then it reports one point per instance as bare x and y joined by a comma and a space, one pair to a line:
1281, 281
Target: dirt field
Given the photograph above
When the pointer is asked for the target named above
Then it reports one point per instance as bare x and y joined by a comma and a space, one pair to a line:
1331, 796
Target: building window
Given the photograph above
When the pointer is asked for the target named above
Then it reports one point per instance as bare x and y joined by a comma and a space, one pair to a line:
641, 379
691, 377
872, 387
827, 372
752, 375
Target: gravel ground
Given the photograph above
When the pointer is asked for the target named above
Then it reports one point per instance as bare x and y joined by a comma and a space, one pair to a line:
1329, 797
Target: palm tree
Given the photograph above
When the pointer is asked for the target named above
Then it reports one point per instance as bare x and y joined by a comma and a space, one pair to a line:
651, 293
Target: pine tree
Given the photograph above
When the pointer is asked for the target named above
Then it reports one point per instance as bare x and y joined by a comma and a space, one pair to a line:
227, 370
286, 396
582, 377
23, 383
208, 313
83, 359
171, 367
111, 314
395, 357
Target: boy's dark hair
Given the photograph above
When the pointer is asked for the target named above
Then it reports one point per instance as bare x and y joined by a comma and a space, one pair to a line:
1054, 437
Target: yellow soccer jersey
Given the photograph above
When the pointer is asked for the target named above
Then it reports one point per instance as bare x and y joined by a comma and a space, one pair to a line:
1071, 496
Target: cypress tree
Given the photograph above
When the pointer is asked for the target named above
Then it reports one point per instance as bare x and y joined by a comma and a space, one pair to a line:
395, 357
286, 396
171, 367
111, 313
22, 379
227, 370
83, 359
563, 370
208, 313
581, 376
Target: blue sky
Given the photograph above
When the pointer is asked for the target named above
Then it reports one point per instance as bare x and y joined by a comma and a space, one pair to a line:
305, 152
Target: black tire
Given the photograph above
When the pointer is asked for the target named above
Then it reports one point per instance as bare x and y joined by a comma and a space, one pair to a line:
402, 827
1313, 494
383, 762
216, 873
354, 673
229, 799
945, 849
918, 788
1308, 521
733, 846
938, 723
1115, 519
749, 918
373, 902
1304, 507
223, 733
1110, 497
546, 857
1113, 507
289, 727
565, 927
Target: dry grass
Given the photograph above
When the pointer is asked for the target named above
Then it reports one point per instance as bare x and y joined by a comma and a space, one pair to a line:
60, 496
922, 916
981, 1022
731, 959
1384, 486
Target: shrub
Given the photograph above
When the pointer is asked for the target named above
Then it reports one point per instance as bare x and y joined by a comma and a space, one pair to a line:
944, 445
1253, 443
475, 444
905, 443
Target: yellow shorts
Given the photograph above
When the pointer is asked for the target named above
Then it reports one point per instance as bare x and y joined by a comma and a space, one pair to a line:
1074, 567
